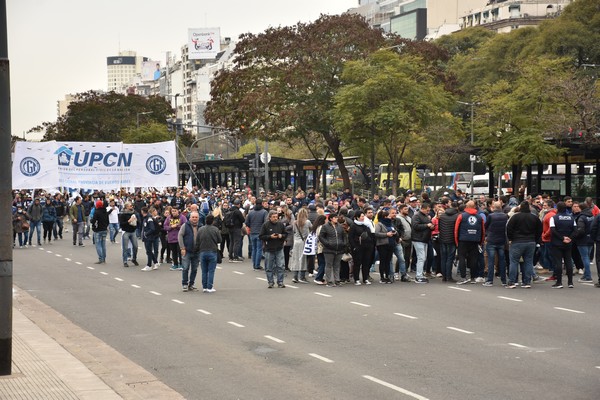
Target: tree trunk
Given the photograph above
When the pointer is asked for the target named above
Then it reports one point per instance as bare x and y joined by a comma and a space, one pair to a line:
334, 146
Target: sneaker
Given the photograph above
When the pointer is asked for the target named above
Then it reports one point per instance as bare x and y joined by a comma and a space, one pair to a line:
279, 285
125, 265
357, 283
204, 290
135, 262
185, 288
557, 286
421, 280
211, 290
155, 266
270, 285
147, 268
397, 276
585, 280
597, 284
99, 262
303, 281
81, 245
173, 268
537, 278
571, 286
579, 271
367, 282
318, 282
479, 279
462, 281
179, 268
488, 284
526, 286
193, 288
236, 260
439, 275
294, 280
405, 278
552, 278
511, 285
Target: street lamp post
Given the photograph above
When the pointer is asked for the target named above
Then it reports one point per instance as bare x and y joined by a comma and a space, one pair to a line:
471, 156
137, 118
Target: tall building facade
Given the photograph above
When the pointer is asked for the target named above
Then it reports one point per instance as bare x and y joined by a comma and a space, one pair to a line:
121, 69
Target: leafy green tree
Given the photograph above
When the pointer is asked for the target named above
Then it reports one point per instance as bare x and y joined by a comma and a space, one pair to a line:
465, 41
283, 81
104, 117
152, 132
391, 100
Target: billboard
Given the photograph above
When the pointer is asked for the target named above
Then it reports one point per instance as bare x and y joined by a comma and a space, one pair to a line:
203, 43
89, 165
150, 70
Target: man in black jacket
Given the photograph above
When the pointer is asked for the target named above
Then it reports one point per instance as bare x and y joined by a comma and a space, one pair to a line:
128, 224
564, 230
235, 232
495, 229
99, 224
524, 231
421, 235
595, 234
273, 235
447, 246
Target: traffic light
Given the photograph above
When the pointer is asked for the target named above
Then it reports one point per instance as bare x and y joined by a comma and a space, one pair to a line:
251, 164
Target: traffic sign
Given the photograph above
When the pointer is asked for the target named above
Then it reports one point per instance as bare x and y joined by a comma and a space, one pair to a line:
265, 158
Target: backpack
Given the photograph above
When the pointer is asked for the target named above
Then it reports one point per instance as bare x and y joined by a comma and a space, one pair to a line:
228, 220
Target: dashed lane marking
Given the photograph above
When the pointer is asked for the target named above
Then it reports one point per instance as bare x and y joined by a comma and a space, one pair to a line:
238, 272
570, 310
155, 293
236, 324
92, 268
396, 388
68, 259
57, 255
318, 357
177, 301
405, 315
292, 286
219, 267
77, 262
104, 273
261, 279
118, 279
509, 298
359, 304
273, 338
47, 251
323, 294
204, 311
459, 288
136, 286
459, 330
520, 346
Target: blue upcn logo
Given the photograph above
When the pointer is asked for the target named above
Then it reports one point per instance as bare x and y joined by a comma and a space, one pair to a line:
64, 155
156, 165
30, 166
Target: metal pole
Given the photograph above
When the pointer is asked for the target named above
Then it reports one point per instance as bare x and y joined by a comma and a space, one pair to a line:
256, 168
472, 142
6, 260
372, 165
267, 181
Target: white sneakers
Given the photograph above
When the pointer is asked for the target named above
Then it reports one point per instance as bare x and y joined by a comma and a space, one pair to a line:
146, 268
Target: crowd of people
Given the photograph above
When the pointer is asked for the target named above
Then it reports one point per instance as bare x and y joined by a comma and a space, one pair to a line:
330, 240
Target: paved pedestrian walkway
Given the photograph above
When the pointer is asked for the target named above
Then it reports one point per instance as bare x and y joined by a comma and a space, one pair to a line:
70, 364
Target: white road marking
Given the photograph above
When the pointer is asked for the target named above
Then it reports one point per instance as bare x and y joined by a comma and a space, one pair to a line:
219, 267
509, 298
238, 272
57, 255
459, 288
68, 259
262, 279
598, 366
77, 262
156, 293
177, 301
136, 286
104, 273
47, 251
396, 388
359, 304
587, 284
459, 330
569, 310
405, 315
91, 268
235, 324
322, 294
520, 346
204, 311
292, 286
119, 279
318, 357
274, 339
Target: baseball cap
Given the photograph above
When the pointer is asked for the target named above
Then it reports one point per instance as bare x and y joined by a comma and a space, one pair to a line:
412, 199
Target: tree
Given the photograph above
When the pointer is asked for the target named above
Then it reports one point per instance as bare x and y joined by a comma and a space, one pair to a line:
283, 82
104, 117
391, 100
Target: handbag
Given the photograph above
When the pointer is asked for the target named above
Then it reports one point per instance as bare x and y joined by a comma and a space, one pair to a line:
25, 225
346, 257
310, 245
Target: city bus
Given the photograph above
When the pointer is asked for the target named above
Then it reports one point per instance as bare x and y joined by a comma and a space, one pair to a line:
409, 177
448, 180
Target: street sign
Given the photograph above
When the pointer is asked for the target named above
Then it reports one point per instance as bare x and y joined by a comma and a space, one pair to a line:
265, 158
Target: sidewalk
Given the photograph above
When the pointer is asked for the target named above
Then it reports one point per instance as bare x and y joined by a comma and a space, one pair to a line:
55, 359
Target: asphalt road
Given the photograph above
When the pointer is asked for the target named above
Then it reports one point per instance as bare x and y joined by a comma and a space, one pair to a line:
405, 340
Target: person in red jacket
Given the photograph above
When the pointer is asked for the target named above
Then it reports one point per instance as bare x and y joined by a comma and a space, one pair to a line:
546, 259
469, 236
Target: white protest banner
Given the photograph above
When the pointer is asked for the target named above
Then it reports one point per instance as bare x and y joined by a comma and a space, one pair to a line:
100, 165
34, 166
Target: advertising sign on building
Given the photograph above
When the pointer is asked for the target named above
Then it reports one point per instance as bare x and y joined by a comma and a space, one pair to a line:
94, 165
150, 70
204, 43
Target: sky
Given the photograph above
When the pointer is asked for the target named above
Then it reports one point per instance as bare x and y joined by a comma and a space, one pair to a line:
57, 47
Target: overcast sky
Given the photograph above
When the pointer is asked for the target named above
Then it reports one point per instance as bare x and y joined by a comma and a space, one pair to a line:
58, 47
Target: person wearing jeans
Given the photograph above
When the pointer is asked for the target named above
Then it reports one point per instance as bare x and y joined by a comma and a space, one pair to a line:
421, 236
495, 229
469, 234
523, 231
190, 255
207, 246
584, 241
99, 224
446, 237
254, 222
35, 213
273, 234
77, 215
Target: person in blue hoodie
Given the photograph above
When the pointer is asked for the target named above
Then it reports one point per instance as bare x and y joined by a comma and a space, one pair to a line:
48, 219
